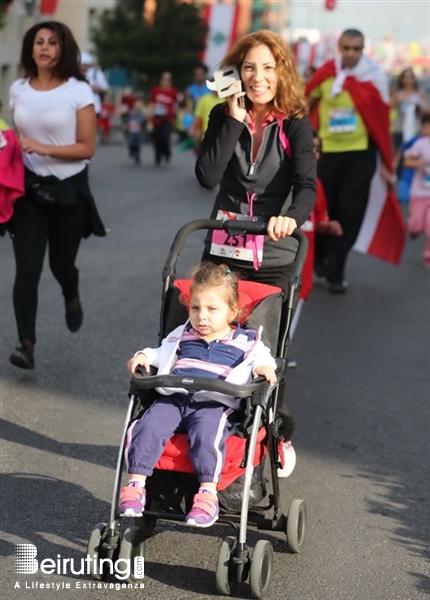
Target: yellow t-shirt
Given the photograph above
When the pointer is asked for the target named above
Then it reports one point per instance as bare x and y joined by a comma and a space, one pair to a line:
4, 125
341, 127
204, 107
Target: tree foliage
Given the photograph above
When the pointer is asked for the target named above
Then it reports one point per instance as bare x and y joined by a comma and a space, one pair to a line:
172, 42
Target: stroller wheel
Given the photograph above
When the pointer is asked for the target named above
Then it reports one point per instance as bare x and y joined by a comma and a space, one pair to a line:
132, 550
94, 550
261, 568
296, 525
226, 569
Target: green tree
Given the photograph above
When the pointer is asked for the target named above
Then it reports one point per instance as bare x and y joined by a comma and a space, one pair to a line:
172, 42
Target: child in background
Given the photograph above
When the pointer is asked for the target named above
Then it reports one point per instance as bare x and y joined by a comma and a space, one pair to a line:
184, 120
318, 221
403, 174
210, 344
126, 103
104, 120
417, 157
135, 125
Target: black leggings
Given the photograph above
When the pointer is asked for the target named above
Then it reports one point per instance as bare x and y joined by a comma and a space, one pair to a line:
32, 228
346, 178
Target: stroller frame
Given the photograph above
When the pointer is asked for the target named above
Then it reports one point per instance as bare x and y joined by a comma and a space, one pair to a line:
234, 562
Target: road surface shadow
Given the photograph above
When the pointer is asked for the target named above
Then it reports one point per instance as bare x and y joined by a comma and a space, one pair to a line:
104, 455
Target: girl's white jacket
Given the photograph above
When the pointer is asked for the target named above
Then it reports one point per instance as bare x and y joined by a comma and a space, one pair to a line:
164, 358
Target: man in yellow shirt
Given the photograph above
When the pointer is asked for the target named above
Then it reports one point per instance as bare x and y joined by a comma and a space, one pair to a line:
348, 101
201, 116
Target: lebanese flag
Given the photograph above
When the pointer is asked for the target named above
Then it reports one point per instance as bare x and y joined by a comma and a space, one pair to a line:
45, 7
304, 55
48, 7
222, 22
382, 232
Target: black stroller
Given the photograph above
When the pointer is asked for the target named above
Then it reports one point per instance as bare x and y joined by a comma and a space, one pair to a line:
171, 488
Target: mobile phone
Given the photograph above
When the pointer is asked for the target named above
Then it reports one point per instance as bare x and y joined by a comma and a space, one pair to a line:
223, 79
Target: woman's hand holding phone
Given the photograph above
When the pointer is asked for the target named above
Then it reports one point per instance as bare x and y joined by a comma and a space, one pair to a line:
236, 103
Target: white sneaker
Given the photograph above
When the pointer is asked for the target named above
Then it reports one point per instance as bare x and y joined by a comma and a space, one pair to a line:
289, 460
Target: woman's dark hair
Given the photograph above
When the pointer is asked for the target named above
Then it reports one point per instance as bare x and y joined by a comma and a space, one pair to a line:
400, 80
68, 64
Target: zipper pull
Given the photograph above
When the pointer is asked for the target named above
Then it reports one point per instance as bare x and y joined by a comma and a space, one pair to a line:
251, 169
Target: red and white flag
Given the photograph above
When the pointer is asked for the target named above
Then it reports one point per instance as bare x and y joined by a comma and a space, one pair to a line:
222, 21
382, 232
315, 55
43, 7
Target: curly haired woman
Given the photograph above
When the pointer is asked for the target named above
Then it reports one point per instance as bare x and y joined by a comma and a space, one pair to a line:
259, 148
258, 151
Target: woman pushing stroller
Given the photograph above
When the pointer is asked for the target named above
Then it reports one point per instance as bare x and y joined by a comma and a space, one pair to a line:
258, 147
211, 344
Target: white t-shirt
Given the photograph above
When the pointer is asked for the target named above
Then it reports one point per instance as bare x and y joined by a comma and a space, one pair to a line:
50, 118
420, 187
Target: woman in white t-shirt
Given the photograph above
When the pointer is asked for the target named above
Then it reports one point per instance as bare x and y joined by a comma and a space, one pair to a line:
410, 103
53, 111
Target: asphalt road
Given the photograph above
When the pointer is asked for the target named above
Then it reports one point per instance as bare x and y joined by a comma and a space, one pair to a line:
360, 395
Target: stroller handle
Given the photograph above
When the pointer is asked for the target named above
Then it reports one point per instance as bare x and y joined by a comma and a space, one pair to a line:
144, 381
231, 225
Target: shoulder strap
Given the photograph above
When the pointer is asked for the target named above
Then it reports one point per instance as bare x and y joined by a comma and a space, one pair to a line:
285, 142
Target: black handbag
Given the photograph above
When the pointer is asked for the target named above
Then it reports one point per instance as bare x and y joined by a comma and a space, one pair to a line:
44, 193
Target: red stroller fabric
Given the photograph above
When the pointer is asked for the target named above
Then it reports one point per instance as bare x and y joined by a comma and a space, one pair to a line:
250, 292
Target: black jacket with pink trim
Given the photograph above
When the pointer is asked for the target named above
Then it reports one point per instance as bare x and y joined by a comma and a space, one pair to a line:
225, 159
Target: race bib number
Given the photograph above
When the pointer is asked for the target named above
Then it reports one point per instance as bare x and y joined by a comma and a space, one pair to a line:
160, 110
240, 246
134, 127
342, 120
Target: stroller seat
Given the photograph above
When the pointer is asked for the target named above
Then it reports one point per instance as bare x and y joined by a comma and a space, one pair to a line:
175, 456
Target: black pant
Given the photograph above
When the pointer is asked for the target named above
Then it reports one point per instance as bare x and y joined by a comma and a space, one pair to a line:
161, 139
32, 228
346, 178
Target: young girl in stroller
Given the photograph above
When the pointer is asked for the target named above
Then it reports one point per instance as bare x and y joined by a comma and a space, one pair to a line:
212, 344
